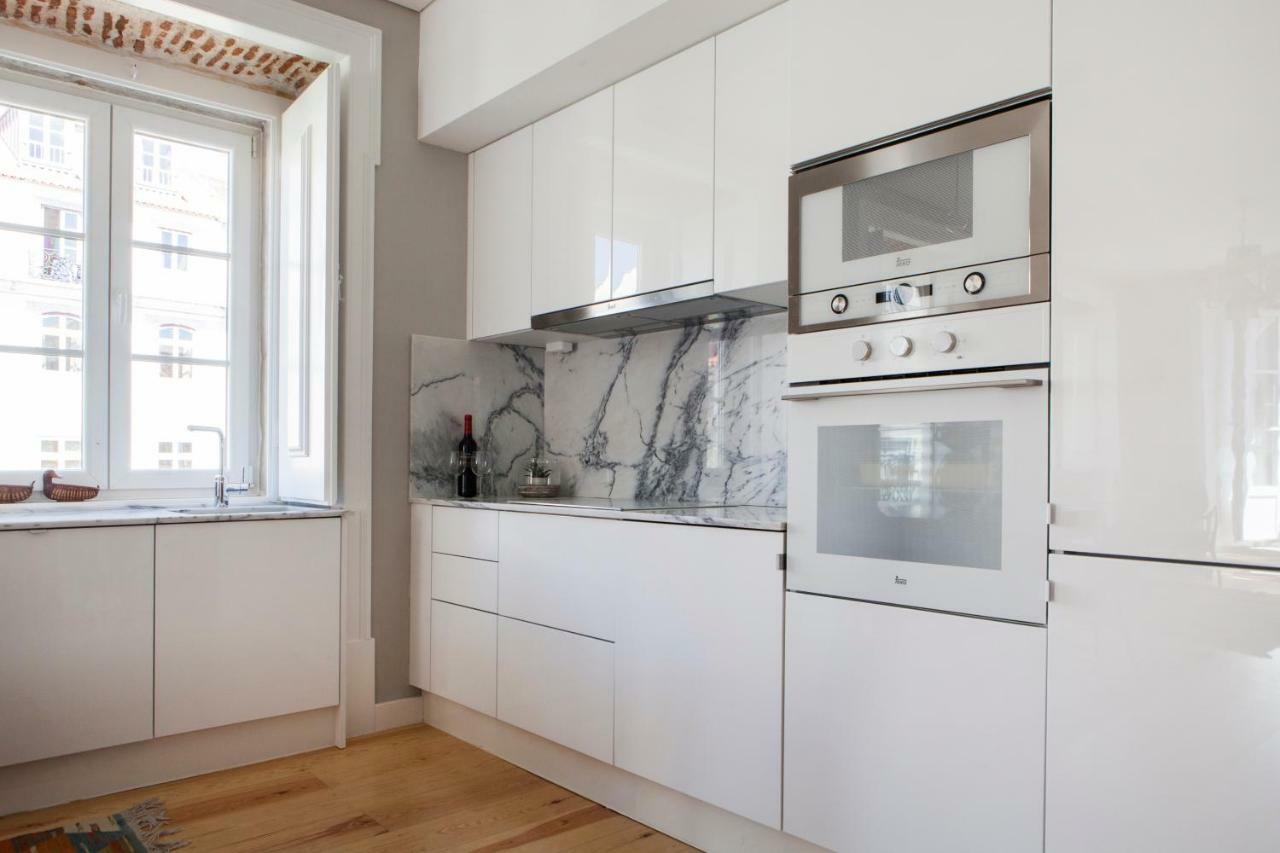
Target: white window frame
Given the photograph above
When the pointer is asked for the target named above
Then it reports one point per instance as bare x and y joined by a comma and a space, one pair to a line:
243, 253
95, 249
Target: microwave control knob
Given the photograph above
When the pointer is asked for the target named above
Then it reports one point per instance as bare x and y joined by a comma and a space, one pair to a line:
861, 351
839, 303
974, 282
900, 346
944, 342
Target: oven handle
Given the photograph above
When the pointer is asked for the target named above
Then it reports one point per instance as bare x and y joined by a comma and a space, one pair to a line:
912, 389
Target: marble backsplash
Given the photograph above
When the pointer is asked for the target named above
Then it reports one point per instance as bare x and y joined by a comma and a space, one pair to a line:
500, 385
693, 414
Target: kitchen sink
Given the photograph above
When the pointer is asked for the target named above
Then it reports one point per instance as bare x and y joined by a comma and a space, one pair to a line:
234, 509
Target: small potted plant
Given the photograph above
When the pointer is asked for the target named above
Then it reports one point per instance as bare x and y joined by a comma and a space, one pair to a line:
537, 480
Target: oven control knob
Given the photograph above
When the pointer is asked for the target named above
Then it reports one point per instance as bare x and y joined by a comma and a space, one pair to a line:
861, 351
900, 346
974, 282
839, 303
944, 342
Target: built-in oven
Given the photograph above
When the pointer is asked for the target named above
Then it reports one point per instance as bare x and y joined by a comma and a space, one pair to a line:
920, 477
953, 219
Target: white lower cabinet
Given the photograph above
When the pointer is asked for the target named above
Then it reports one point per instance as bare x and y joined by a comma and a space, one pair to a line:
557, 685
246, 621
1164, 707
75, 640
699, 663
464, 656
908, 730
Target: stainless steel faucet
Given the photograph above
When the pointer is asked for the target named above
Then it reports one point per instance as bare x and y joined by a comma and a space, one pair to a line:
220, 487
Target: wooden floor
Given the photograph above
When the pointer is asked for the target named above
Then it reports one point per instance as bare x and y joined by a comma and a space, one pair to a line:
411, 789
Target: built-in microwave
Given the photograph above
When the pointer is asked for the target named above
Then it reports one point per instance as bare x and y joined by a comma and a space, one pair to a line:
945, 220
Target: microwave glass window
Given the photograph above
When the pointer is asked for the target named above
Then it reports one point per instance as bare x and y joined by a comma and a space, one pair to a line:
921, 205
918, 493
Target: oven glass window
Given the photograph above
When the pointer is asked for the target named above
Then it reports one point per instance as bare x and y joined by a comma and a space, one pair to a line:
920, 493
917, 206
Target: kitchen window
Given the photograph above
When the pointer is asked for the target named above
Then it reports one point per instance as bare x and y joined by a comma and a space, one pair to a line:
141, 244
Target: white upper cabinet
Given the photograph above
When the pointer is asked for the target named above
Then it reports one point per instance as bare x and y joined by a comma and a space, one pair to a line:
573, 205
752, 166
860, 71
1166, 300
664, 149
1164, 706
500, 236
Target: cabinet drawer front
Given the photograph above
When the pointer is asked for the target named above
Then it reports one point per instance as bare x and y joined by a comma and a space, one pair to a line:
462, 580
559, 571
75, 640
464, 656
465, 532
557, 685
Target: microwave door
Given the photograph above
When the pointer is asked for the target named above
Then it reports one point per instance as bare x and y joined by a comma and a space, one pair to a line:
926, 493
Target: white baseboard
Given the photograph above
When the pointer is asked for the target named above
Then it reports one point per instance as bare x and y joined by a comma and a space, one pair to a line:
359, 692
692, 821
397, 713
51, 781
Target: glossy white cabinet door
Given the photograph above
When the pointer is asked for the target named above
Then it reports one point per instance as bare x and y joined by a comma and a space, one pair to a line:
464, 581
247, 621
420, 596
752, 166
861, 71
500, 236
75, 640
1166, 299
464, 656
698, 703
663, 153
909, 731
465, 532
557, 685
1164, 707
573, 204
558, 571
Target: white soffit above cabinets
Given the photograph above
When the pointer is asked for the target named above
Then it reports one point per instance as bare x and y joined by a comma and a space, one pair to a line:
490, 67
415, 5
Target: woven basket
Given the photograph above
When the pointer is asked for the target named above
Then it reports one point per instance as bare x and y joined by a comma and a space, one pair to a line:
66, 492
15, 494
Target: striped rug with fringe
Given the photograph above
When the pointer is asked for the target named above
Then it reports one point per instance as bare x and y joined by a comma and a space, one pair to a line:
144, 828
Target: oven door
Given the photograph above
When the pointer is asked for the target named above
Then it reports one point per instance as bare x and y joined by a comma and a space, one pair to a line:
959, 197
927, 492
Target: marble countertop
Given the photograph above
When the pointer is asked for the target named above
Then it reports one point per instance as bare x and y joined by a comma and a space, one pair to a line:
743, 517
40, 516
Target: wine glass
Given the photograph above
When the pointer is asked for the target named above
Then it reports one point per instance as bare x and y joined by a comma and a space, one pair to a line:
483, 461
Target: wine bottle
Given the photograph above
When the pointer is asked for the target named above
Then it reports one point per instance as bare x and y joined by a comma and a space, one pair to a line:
468, 484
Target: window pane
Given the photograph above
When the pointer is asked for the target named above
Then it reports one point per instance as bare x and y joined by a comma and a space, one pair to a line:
179, 312
161, 410
180, 188
41, 169
40, 291
46, 427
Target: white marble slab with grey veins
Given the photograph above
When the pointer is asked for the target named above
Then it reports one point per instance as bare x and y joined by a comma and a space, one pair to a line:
500, 385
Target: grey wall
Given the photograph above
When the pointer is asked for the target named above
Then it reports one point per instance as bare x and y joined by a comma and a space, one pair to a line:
419, 288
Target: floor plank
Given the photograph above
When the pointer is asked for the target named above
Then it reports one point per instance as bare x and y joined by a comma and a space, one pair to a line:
414, 789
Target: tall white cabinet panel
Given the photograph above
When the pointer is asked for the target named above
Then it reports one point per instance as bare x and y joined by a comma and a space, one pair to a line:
420, 596
1164, 707
909, 731
1166, 297
500, 235
573, 204
698, 703
861, 71
663, 155
558, 571
75, 640
752, 166
557, 685
246, 621
464, 656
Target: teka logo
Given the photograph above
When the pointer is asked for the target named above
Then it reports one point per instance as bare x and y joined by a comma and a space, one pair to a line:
904, 262
899, 581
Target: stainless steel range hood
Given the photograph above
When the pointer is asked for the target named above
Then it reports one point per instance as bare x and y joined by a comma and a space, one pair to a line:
688, 304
